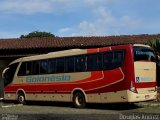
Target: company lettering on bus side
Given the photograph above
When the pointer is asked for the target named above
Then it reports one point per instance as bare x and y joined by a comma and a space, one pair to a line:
48, 79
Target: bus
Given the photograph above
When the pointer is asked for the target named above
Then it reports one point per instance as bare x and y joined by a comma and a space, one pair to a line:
114, 74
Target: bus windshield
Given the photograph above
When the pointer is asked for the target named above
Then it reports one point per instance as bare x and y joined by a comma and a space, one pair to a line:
8, 73
143, 54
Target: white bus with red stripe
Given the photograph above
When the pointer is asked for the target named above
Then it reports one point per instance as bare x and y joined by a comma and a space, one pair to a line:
116, 74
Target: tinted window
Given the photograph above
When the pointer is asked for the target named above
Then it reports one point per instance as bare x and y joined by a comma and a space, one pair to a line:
92, 62
143, 53
44, 67
22, 70
80, 63
118, 58
28, 68
108, 60
10, 74
69, 64
100, 61
35, 67
60, 65
52, 66
112, 60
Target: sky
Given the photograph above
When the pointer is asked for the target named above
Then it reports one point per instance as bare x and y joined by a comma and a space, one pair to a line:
65, 18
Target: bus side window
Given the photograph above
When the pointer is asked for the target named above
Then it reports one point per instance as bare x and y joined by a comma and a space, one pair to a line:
60, 65
92, 62
22, 69
113, 60
80, 63
44, 67
118, 58
51, 66
28, 68
35, 67
100, 61
108, 60
69, 64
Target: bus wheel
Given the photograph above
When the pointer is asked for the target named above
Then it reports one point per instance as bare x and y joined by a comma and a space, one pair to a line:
79, 100
21, 99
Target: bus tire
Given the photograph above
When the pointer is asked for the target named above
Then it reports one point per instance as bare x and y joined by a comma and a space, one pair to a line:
21, 99
79, 100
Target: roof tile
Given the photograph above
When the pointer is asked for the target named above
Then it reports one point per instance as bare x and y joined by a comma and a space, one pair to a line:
62, 42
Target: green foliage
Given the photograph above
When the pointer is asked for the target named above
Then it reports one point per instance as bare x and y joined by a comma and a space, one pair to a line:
155, 44
37, 34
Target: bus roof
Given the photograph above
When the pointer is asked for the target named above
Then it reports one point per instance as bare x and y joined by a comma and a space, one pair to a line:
52, 55
142, 45
59, 54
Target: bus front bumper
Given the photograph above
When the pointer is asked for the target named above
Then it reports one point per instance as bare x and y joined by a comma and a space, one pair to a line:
135, 97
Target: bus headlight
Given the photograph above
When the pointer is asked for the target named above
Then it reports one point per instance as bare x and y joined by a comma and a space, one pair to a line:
132, 88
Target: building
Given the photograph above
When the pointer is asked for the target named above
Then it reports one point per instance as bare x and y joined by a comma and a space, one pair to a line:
11, 49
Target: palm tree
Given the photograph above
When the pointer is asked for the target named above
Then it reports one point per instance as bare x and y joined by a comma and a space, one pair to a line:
155, 44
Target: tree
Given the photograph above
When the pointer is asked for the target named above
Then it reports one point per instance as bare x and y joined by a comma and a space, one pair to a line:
37, 34
155, 44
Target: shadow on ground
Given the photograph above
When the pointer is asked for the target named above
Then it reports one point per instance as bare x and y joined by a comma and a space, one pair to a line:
114, 106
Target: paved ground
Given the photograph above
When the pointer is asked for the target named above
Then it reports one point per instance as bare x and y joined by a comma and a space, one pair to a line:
64, 111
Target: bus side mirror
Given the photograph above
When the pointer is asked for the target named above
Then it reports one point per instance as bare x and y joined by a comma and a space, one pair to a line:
4, 72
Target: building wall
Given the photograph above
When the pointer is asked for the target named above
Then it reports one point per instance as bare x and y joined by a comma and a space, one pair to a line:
3, 65
158, 75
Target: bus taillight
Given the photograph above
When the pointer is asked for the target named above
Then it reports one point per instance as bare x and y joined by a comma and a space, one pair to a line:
156, 88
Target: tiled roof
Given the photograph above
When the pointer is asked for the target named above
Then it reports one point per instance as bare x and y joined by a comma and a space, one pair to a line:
72, 42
